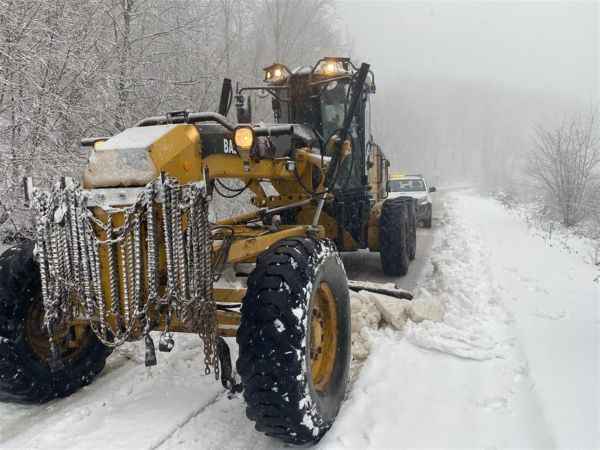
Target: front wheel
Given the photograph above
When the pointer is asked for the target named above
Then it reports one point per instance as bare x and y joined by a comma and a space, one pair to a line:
294, 339
25, 375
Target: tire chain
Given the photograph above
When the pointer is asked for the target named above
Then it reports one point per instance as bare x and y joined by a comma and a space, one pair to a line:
68, 242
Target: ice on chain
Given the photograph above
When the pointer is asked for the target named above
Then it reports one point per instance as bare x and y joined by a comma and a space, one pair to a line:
77, 244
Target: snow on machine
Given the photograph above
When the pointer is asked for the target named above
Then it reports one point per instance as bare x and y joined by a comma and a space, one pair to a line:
130, 249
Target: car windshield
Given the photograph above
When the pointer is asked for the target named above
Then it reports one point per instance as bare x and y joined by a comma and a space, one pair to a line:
407, 185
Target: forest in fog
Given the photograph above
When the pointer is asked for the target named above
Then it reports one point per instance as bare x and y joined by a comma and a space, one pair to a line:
78, 68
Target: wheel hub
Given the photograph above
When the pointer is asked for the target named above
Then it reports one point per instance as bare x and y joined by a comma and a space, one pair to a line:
70, 338
323, 341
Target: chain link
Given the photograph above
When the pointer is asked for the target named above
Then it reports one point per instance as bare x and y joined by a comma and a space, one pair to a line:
71, 248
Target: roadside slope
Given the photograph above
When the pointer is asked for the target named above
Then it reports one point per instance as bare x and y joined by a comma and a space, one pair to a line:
459, 383
555, 302
514, 363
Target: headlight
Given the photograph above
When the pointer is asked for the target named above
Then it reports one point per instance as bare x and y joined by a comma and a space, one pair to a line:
423, 200
330, 67
243, 138
276, 73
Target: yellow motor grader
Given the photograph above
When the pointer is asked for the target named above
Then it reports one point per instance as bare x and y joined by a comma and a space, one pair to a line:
129, 249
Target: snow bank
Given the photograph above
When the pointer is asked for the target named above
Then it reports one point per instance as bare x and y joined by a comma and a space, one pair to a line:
372, 312
553, 296
582, 239
365, 317
472, 326
470, 380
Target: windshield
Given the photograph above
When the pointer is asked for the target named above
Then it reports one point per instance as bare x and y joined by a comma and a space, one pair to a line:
407, 185
333, 107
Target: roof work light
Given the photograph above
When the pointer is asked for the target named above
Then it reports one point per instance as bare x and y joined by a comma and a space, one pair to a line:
276, 73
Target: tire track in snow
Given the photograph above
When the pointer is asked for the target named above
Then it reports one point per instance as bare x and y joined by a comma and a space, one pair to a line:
182, 423
137, 407
222, 426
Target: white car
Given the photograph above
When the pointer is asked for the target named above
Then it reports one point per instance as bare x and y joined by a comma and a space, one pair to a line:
416, 187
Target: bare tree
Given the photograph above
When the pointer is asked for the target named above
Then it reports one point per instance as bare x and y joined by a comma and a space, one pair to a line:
296, 31
564, 164
75, 68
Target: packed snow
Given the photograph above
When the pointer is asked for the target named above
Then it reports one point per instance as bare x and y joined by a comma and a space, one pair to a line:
583, 239
499, 349
514, 362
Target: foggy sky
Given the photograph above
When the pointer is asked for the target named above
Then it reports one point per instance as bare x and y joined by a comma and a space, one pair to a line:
536, 46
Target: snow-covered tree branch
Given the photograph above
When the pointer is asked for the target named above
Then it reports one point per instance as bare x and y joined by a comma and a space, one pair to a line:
564, 164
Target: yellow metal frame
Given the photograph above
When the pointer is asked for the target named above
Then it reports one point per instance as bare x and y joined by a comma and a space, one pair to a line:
178, 152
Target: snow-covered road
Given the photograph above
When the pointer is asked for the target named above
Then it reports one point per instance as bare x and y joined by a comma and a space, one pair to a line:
555, 305
514, 363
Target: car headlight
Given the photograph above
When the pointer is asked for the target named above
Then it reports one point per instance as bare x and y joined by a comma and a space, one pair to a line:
423, 200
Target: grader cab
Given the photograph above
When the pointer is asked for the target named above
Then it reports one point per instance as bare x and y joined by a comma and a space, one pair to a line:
130, 249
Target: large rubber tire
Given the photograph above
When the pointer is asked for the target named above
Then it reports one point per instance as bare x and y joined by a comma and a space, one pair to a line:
394, 237
275, 340
25, 376
411, 206
412, 221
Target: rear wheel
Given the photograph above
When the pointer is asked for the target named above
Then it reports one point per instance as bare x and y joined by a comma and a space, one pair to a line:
294, 340
394, 237
411, 206
25, 375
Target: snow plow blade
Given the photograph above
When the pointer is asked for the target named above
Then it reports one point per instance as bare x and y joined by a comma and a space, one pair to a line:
379, 289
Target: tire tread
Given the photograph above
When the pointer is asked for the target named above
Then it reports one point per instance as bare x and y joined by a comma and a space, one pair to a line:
271, 361
21, 379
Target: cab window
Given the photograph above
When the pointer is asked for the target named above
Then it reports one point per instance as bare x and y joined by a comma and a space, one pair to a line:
333, 107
